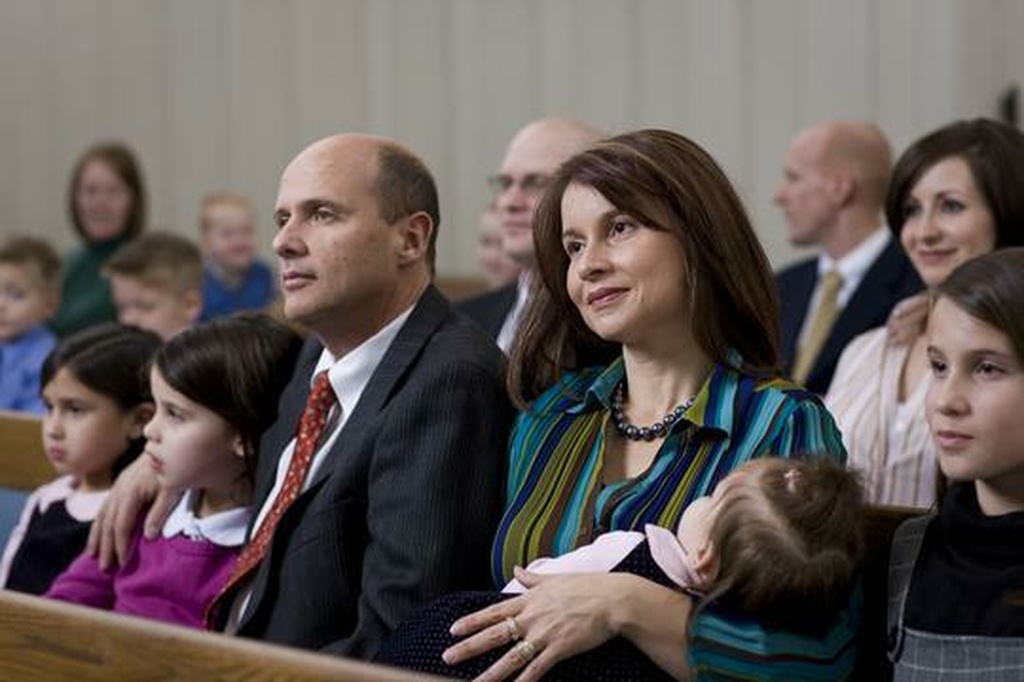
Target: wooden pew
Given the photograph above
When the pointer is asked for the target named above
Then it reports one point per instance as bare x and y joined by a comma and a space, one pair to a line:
880, 522
42, 639
23, 463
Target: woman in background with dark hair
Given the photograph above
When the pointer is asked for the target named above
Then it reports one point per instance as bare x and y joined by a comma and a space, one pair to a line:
955, 194
107, 205
647, 367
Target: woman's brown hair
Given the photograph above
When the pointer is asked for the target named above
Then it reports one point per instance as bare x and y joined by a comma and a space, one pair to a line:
666, 182
990, 288
994, 152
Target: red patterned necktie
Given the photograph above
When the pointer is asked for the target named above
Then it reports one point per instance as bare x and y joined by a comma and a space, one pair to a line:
311, 427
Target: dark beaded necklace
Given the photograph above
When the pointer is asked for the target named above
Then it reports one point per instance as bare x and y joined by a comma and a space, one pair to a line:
658, 429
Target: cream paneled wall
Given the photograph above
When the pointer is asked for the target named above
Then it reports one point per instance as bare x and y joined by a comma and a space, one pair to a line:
221, 93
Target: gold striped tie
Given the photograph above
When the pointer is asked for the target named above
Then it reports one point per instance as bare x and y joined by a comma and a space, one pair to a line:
821, 325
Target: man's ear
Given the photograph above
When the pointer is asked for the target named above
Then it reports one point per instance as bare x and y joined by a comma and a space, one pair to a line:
414, 237
842, 187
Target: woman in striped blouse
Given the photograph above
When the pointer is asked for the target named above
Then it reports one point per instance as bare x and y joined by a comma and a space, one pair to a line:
646, 367
955, 194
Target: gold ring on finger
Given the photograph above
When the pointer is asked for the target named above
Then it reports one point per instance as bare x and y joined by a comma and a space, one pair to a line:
524, 651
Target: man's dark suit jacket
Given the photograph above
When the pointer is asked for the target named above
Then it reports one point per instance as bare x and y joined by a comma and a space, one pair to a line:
890, 279
490, 309
405, 506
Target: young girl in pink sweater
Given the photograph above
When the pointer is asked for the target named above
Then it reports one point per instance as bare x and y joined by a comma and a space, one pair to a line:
216, 388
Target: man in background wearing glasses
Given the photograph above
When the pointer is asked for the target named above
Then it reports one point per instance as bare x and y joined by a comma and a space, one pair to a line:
532, 157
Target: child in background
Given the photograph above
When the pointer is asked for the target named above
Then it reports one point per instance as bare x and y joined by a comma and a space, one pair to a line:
97, 402
216, 388
956, 577
29, 297
156, 283
234, 279
779, 540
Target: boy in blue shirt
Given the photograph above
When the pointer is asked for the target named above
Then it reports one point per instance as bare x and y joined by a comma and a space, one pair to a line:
234, 278
29, 297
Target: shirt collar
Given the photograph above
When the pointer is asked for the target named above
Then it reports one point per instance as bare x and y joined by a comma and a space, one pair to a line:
226, 528
855, 264
718, 389
350, 374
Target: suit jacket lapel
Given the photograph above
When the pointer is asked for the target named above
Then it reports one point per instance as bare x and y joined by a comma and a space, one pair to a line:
794, 308
428, 314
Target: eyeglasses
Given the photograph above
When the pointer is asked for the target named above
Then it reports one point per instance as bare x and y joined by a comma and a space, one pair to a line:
531, 183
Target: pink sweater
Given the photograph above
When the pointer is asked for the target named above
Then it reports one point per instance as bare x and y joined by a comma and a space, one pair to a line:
170, 579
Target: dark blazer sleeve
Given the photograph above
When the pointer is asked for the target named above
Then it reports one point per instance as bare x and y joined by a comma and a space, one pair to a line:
434, 499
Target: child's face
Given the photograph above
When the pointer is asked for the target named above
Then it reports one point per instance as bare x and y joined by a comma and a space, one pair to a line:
84, 432
974, 400
152, 308
24, 300
230, 238
188, 445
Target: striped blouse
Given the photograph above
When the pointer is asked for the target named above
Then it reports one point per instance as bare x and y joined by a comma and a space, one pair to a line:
556, 501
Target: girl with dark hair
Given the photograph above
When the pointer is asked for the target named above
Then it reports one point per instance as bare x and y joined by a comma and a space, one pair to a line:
957, 575
216, 388
97, 401
107, 207
955, 194
647, 366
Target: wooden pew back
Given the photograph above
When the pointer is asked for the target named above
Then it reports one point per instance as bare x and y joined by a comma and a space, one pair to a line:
42, 639
23, 462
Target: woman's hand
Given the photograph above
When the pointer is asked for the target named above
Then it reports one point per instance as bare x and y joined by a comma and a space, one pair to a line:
111, 532
558, 617
907, 320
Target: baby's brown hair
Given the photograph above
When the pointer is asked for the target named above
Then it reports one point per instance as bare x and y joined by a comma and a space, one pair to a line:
789, 540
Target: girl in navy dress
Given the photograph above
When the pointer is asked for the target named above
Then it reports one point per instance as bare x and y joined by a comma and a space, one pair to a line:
97, 402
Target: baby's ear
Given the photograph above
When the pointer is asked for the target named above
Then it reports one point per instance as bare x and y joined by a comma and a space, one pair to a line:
706, 564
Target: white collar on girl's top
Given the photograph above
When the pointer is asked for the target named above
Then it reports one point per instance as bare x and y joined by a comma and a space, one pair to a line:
226, 528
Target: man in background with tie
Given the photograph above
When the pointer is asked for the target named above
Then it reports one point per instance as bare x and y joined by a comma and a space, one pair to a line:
835, 178
380, 484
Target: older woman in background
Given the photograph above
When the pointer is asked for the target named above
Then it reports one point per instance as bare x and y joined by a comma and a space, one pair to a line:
107, 203
955, 194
